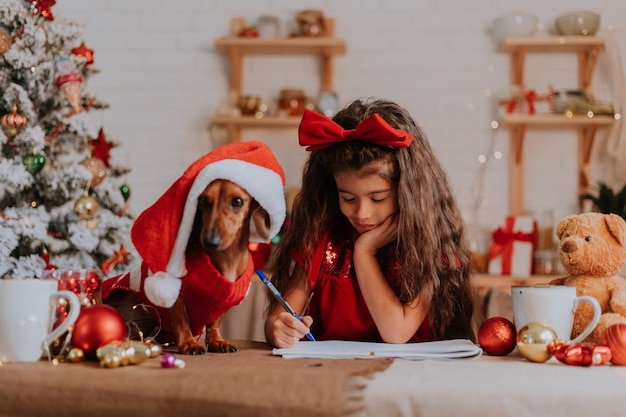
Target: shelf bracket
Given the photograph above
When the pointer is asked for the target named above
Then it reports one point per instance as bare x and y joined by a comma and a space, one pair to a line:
518, 56
587, 60
586, 137
516, 179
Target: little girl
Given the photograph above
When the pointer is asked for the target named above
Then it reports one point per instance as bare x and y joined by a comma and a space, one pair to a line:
375, 249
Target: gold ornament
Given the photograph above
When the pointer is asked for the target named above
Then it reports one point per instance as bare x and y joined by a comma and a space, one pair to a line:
155, 348
75, 355
86, 207
97, 168
13, 122
534, 340
129, 352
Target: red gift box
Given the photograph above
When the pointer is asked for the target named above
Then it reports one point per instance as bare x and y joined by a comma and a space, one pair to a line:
512, 245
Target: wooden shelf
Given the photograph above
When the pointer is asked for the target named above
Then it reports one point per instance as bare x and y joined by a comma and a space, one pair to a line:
236, 48
587, 48
287, 46
251, 121
505, 282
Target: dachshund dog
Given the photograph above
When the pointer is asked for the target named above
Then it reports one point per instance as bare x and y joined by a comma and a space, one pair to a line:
222, 226
221, 229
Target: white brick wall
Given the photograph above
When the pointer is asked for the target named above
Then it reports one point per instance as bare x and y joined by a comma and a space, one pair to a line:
164, 80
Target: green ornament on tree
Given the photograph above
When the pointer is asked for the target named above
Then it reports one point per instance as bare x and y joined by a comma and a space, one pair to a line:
125, 190
34, 162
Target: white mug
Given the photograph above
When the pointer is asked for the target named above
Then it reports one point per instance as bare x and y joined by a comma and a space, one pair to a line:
27, 309
554, 306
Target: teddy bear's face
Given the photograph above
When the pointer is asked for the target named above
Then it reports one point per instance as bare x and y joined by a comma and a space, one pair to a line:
592, 244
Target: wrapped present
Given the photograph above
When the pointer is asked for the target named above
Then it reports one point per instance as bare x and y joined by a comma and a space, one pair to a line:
540, 100
511, 100
512, 245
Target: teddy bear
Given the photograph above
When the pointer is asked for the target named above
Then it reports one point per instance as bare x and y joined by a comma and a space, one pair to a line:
592, 249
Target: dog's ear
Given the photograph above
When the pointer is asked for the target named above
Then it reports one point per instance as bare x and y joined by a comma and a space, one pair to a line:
261, 220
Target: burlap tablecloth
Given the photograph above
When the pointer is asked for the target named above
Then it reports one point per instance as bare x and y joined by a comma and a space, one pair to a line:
250, 382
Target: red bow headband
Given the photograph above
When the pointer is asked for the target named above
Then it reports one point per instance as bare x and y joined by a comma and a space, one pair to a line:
318, 132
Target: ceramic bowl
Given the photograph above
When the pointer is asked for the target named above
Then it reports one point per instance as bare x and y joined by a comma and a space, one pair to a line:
514, 24
581, 23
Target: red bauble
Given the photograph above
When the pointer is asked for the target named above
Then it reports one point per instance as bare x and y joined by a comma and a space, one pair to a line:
614, 337
497, 336
96, 326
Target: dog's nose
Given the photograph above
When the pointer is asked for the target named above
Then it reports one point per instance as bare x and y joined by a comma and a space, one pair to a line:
212, 241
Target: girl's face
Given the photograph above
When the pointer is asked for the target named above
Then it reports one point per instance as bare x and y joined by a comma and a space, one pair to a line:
366, 198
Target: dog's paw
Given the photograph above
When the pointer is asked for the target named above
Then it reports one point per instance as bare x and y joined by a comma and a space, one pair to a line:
220, 346
191, 349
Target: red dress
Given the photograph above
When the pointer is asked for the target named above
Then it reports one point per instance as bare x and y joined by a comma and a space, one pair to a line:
337, 307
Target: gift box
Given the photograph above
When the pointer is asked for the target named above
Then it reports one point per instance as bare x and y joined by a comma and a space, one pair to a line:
511, 100
512, 246
540, 100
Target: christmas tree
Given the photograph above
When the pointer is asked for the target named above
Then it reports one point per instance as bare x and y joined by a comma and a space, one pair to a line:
63, 204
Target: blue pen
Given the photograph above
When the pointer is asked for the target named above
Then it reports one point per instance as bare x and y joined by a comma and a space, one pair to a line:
281, 300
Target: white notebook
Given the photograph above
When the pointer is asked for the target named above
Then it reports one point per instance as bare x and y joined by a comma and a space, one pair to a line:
342, 349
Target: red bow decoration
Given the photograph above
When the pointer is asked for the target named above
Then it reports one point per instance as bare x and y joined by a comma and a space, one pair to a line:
502, 243
318, 132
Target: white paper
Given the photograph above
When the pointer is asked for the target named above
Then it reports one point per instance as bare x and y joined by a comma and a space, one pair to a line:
341, 349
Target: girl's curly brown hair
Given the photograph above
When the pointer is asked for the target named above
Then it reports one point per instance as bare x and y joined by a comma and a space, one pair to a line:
431, 245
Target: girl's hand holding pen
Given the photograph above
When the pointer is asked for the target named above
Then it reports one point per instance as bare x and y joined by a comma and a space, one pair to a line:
287, 330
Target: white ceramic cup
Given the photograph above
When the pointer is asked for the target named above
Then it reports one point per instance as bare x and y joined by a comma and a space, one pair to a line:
27, 309
554, 306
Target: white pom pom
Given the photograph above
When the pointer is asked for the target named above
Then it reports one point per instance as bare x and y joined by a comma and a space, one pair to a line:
162, 289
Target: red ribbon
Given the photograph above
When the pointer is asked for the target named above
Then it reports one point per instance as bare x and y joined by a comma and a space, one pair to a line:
530, 96
502, 243
318, 132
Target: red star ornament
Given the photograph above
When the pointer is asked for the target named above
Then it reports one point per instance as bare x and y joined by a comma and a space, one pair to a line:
100, 148
84, 52
42, 7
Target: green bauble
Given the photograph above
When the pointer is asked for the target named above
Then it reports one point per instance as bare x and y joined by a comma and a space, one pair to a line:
125, 190
34, 162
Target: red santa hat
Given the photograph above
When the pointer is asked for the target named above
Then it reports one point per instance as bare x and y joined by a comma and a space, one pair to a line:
162, 231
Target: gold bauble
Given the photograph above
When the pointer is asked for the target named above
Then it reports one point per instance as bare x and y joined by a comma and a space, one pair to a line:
86, 207
155, 348
75, 355
533, 340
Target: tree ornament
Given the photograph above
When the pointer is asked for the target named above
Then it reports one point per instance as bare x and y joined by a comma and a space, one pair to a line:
86, 207
100, 148
125, 190
497, 336
34, 162
581, 354
614, 337
84, 52
120, 256
13, 122
533, 341
96, 326
5, 40
69, 80
42, 7
97, 168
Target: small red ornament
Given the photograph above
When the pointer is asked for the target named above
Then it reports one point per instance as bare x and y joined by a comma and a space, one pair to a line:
581, 354
42, 7
84, 52
97, 326
497, 336
614, 337
100, 148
